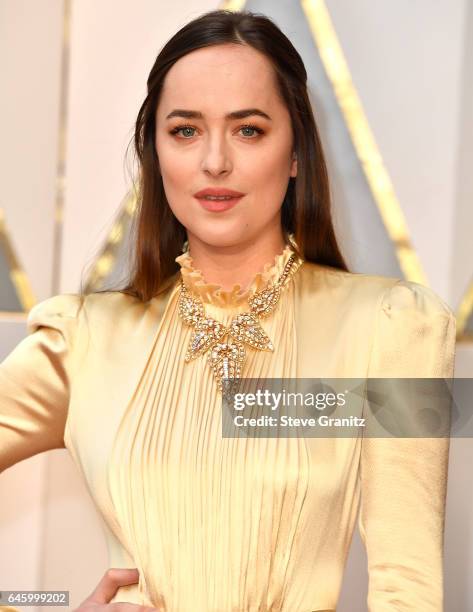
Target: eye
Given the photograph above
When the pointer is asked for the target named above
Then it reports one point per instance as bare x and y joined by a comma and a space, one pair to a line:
178, 128
252, 127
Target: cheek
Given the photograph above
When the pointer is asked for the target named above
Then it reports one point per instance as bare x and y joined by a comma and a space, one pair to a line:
171, 164
268, 174
269, 163
173, 174
178, 178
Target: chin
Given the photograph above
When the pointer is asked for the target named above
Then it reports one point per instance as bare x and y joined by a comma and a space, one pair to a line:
217, 237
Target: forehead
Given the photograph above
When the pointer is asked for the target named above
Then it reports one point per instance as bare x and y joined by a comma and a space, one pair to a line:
230, 73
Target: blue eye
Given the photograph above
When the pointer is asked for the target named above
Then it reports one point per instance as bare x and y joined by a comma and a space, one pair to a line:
252, 127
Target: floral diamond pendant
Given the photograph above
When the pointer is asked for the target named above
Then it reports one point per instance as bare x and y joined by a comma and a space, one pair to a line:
226, 360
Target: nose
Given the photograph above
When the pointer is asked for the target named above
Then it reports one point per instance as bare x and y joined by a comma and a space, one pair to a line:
216, 157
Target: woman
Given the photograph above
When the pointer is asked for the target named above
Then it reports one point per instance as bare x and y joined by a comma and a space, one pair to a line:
234, 199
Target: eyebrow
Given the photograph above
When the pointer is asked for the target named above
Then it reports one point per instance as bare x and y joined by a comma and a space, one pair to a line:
239, 114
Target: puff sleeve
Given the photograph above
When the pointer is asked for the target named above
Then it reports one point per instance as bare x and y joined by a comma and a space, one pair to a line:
404, 480
35, 382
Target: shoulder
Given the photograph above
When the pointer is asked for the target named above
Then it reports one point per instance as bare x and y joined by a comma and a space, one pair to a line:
106, 316
52, 310
414, 333
340, 287
389, 295
410, 297
65, 310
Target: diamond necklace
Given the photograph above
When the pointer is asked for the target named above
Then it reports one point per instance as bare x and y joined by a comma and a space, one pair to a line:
227, 358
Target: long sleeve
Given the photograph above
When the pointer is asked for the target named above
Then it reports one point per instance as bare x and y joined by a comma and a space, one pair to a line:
35, 382
404, 480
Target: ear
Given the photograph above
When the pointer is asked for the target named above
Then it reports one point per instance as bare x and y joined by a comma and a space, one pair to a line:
294, 164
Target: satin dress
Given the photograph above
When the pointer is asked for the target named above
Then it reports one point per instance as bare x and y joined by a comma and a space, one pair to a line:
217, 524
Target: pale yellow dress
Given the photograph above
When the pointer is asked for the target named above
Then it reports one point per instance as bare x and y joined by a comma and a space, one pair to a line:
219, 524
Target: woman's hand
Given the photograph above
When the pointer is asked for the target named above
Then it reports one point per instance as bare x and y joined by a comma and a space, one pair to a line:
113, 579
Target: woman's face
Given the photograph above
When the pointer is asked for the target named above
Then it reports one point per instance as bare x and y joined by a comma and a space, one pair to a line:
205, 148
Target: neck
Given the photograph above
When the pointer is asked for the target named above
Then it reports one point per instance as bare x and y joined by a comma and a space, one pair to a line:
239, 263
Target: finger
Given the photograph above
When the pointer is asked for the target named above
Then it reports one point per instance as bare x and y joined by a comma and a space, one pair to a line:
111, 581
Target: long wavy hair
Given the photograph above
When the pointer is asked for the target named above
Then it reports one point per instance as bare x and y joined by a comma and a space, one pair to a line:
306, 208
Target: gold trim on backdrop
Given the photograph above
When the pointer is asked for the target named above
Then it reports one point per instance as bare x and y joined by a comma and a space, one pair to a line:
362, 137
107, 258
61, 150
18, 276
465, 311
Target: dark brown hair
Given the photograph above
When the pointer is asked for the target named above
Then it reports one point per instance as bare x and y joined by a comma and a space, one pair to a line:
306, 209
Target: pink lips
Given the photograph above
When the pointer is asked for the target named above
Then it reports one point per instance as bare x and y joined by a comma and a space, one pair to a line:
218, 205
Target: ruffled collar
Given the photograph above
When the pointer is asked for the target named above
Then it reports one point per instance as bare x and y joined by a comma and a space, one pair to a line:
212, 293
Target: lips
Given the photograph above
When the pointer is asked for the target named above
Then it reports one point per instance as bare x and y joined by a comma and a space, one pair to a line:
218, 191
229, 198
